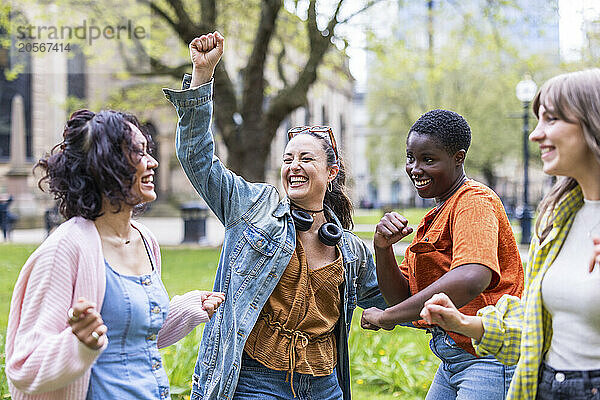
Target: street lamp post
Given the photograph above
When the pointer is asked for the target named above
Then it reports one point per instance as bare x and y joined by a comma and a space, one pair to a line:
526, 90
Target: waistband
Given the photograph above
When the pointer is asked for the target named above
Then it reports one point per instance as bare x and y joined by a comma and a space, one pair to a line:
559, 375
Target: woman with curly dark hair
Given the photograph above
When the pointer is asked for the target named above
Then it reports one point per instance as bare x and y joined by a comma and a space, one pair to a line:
89, 310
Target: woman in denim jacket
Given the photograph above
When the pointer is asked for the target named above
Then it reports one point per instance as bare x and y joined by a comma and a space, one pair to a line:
282, 331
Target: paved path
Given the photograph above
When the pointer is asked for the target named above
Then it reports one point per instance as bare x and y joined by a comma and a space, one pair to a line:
169, 232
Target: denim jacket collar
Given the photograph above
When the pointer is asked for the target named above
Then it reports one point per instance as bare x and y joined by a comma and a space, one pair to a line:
282, 208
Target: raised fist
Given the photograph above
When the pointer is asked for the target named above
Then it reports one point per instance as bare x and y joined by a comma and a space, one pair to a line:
205, 52
390, 229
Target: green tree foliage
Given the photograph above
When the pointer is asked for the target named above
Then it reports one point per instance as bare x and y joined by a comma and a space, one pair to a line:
278, 51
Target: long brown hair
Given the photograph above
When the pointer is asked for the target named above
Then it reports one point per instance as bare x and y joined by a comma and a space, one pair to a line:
336, 198
573, 97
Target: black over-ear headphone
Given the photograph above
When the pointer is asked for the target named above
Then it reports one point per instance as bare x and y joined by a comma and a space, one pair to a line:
329, 233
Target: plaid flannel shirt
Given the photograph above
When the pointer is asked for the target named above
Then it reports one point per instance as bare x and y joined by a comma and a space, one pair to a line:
519, 331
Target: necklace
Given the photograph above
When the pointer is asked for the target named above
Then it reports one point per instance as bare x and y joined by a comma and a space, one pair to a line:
117, 238
121, 241
312, 212
440, 202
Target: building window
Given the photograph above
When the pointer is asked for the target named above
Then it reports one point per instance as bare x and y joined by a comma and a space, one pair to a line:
395, 193
76, 83
342, 133
4, 107
373, 194
8, 90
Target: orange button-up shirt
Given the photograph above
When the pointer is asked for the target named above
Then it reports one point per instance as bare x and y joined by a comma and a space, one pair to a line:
471, 227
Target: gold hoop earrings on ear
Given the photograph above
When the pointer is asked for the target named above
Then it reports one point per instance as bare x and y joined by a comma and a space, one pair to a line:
330, 186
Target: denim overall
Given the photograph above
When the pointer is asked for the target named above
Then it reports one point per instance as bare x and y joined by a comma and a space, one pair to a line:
134, 310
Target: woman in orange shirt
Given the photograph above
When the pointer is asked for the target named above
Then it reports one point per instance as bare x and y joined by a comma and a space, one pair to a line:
463, 247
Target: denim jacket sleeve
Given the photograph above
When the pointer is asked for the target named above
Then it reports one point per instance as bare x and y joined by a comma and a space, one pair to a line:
228, 195
367, 290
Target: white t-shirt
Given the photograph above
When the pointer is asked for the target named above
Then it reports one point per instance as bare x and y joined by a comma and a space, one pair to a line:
572, 296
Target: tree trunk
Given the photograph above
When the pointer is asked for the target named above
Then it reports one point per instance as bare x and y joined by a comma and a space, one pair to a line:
249, 143
248, 156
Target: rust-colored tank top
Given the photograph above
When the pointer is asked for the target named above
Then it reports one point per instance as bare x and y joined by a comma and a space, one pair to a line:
294, 331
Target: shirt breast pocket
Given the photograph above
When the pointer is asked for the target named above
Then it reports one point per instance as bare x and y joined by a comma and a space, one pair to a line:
432, 241
252, 252
433, 249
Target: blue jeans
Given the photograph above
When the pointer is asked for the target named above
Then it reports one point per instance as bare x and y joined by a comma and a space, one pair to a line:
571, 385
258, 382
463, 376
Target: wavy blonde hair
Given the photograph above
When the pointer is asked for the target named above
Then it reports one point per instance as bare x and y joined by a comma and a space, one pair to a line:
573, 97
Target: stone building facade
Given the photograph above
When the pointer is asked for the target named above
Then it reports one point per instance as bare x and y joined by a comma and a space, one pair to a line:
50, 83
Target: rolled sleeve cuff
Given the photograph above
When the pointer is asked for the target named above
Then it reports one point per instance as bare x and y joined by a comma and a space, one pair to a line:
493, 337
190, 97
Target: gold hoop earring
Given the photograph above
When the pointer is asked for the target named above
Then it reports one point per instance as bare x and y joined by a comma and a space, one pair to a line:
330, 186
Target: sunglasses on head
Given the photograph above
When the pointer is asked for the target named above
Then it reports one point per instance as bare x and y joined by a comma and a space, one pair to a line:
321, 130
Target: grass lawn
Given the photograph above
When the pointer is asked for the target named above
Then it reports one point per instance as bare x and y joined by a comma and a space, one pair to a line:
385, 365
372, 217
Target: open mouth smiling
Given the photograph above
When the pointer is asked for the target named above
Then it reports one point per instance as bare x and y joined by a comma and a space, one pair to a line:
297, 180
419, 183
147, 179
545, 150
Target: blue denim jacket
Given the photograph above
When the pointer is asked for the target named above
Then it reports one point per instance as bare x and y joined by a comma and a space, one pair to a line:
259, 241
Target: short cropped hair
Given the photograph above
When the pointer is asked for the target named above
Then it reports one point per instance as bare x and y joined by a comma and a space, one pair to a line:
448, 128
95, 160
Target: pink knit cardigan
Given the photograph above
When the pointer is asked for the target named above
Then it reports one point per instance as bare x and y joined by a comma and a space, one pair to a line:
44, 359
